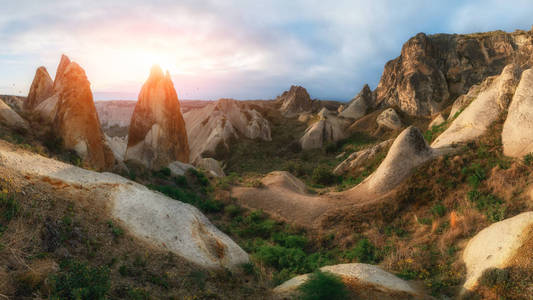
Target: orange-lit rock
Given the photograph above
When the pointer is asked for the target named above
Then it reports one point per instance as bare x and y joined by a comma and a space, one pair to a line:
157, 134
41, 89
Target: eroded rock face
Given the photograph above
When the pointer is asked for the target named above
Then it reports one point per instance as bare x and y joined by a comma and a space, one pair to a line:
212, 166
147, 215
408, 151
495, 246
357, 159
359, 105
389, 119
157, 134
71, 115
10, 118
217, 123
476, 118
360, 274
433, 69
329, 128
517, 133
294, 101
41, 89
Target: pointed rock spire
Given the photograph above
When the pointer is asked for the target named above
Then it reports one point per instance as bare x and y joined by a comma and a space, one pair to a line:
41, 89
157, 134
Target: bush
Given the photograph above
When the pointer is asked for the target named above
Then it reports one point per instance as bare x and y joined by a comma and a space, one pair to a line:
528, 159
323, 175
77, 280
475, 175
321, 285
494, 276
204, 203
438, 210
364, 252
489, 204
9, 207
200, 177
290, 240
281, 258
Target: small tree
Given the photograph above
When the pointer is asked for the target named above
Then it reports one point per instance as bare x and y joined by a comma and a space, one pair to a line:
322, 285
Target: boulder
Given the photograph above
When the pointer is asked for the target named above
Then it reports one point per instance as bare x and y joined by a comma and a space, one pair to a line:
294, 101
149, 216
357, 159
178, 168
438, 120
357, 274
483, 111
70, 114
389, 119
157, 134
11, 119
517, 133
359, 105
434, 68
495, 246
212, 166
41, 89
328, 128
217, 123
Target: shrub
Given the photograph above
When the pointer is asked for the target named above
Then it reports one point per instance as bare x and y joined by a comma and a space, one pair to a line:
163, 173
281, 258
204, 203
438, 210
77, 280
323, 175
322, 285
9, 206
528, 159
200, 177
181, 181
475, 175
290, 240
364, 252
233, 210
494, 276
489, 204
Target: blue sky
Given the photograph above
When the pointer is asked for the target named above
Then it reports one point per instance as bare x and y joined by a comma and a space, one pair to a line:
239, 49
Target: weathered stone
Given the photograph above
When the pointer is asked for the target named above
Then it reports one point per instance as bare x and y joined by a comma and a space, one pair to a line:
389, 119
359, 105
41, 89
294, 101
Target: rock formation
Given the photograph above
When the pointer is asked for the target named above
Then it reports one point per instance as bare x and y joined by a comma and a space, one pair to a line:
408, 151
115, 116
438, 120
389, 119
517, 133
178, 168
357, 159
157, 134
71, 114
496, 245
433, 69
493, 97
217, 123
328, 128
359, 105
294, 101
147, 215
371, 277
41, 89
15, 102
11, 119
212, 166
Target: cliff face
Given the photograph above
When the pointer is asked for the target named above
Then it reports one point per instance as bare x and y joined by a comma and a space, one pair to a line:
157, 134
432, 70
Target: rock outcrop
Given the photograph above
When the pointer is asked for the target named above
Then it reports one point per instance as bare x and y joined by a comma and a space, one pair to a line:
438, 120
41, 89
517, 133
71, 115
178, 168
385, 284
11, 119
389, 119
157, 134
212, 166
433, 69
328, 128
217, 123
495, 246
493, 97
294, 101
147, 215
408, 151
359, 105
357, 159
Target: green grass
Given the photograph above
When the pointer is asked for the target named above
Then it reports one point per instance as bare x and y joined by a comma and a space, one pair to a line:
323, 285
78, 280
431, 134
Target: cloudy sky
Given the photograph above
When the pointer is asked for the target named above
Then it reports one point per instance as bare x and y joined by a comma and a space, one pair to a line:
240, 49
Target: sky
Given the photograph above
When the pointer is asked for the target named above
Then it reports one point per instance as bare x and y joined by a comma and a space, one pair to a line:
242, 49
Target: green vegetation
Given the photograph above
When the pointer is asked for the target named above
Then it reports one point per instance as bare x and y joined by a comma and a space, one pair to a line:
323, 285
431, 134
322, 175
364, 252
78, 280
